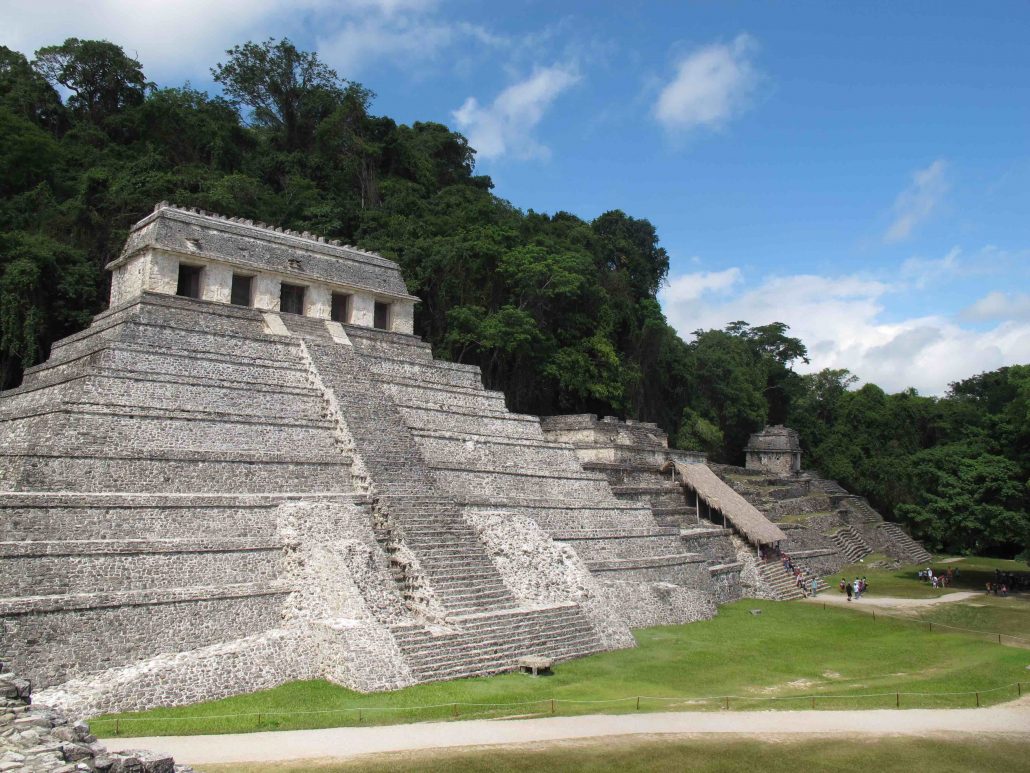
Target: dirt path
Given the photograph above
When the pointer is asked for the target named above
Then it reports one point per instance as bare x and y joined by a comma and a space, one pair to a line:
348, 742
891, 602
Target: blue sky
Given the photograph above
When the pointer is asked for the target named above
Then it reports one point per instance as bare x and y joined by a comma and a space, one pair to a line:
860, 171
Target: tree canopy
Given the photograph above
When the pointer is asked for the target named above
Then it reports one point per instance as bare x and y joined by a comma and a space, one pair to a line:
561, 313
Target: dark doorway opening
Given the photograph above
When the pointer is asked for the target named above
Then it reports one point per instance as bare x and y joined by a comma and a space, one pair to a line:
291, 299
241, 286
340, 311
381, 317
189, 281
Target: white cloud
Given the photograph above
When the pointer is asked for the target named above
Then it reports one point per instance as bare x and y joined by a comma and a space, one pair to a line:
999, 305
181, 38
689, 287
917, 202
922, 271
359, 42
505, 127
712, 84
842, 321
184, 38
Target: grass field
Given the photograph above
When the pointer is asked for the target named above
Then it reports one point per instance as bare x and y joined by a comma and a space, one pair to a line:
658, 755
788, 651
973, 574
1009, 616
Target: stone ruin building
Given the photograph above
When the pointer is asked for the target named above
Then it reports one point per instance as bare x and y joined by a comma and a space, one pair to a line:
249, 471
775, 449
826, 526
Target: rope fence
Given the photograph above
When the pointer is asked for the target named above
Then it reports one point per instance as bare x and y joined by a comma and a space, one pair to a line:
552, 706
933, 625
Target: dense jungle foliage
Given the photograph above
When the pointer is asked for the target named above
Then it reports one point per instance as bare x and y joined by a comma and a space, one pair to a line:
559, 312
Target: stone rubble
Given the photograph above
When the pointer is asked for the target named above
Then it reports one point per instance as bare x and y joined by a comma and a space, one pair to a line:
36, 738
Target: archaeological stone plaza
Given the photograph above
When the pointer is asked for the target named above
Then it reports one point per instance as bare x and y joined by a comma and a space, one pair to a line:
249, 471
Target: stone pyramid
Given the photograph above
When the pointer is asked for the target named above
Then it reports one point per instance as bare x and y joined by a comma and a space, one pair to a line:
249, 471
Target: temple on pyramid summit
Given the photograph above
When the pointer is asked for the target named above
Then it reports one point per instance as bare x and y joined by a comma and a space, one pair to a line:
249, 471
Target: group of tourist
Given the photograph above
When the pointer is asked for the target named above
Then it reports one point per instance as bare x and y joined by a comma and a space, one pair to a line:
940, 579
1007, 581
854, 589
807, 583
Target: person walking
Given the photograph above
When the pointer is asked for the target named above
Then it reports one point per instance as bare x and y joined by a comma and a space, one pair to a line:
849, 591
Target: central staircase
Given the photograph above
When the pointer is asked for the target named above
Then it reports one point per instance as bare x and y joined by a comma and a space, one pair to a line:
779, 581
482, 629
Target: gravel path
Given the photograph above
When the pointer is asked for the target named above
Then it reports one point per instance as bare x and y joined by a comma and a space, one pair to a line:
891, 602
347, 742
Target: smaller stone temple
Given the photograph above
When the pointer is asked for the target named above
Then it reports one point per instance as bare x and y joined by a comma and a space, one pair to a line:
775, 449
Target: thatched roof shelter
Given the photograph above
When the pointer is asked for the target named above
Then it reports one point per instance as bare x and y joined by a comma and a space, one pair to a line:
744, 516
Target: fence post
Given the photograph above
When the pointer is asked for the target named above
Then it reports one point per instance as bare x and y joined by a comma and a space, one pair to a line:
727, 703
1019, 688
117, 727
359, 716
259, 720
999, 638
638, 703
931, 627
552, 705
897, 700
455, 709
813, 701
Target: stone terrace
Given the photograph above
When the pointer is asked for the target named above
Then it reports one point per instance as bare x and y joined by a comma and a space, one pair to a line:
199, 498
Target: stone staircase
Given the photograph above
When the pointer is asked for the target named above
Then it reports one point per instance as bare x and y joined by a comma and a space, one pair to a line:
409, 510
851, 544
778, 581
904, 547
861, 507
493, 642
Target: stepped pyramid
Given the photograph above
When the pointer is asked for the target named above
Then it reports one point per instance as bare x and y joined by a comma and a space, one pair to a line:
249, 471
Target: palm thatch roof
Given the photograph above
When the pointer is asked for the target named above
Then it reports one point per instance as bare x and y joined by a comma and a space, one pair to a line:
744, 516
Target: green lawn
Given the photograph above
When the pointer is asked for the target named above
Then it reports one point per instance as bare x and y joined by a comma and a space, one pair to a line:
974, 573
788, 651
722, 755
1009, 616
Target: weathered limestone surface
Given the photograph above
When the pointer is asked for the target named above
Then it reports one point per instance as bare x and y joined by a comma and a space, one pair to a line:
775, 449
631, 455
199, 498
37, 738
540, 571
827, 527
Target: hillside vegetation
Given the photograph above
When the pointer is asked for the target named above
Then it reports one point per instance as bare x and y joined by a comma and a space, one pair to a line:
560, 313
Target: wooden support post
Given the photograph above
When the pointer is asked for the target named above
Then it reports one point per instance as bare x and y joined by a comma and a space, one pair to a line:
897, 700
978, 700
552, 705
813, 701
638, 703
727, 703
259, 720
455, 709
117, 727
